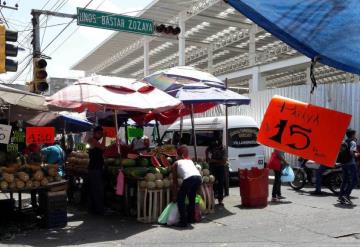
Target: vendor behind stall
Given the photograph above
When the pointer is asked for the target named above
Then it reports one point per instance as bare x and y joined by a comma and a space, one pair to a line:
54, 154
95, 171
140, 145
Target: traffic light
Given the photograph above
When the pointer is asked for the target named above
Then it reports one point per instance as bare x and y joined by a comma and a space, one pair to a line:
167, 29
40, 75
8, 50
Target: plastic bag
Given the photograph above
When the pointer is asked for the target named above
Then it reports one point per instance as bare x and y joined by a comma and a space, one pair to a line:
202, 204
120, 183
174, 216
287, 175
165, 213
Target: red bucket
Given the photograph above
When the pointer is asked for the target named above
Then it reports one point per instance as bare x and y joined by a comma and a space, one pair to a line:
254, 187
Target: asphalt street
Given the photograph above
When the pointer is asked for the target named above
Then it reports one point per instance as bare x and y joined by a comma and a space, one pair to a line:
300, 220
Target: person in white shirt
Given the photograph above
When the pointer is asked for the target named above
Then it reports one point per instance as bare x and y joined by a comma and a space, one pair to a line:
140, 144
185, 169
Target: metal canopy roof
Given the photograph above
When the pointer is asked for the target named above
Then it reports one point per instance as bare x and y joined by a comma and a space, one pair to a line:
210, 24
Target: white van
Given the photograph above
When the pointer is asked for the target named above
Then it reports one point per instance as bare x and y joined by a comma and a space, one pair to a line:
244, 151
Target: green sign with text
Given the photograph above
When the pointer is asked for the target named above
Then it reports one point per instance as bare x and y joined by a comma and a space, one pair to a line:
111, 21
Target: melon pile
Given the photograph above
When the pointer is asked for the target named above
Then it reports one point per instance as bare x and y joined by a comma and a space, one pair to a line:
77, 162
154, 181
31, 176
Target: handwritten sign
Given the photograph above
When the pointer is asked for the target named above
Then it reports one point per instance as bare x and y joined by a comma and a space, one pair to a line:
80, 147
40, 135
12, 148
109, 132
18, 137
5, 132
305, 130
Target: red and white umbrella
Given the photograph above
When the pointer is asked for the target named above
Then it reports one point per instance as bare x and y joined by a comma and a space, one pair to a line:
103, 92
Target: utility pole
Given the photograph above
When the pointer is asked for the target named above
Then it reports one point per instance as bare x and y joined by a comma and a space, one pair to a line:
39, 83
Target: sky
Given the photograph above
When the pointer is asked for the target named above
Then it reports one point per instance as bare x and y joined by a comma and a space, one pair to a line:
72, 45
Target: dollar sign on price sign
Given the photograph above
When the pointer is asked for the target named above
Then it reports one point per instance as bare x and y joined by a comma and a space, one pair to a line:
302, 129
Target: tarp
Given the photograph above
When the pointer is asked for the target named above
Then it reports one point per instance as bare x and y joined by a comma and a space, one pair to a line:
328, 29
21, 98
73, 122
193, 95
98, 93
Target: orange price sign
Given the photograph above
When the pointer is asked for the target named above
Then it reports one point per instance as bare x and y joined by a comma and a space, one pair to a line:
109, 132
302, 129
40, 135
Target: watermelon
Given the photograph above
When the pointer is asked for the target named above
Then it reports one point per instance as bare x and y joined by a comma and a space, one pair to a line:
143, 162
154, 170
164, 171
155, 162
165, 161
128, 162
135, 171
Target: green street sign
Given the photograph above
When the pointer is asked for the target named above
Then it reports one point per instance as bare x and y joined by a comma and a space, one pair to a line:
111, 21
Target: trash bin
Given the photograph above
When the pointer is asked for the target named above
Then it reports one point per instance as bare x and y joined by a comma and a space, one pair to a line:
254, 187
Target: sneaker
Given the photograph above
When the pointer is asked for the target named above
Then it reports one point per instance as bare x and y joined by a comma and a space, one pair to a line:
281, 197
348, 201
341, 200
274, 199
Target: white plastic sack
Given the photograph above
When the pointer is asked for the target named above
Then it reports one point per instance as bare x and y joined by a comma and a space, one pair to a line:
174, 216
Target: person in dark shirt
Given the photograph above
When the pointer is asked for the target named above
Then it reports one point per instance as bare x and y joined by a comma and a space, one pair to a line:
216, 156
95, 172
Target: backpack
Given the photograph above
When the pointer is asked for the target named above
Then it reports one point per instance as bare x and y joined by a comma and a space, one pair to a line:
344, 155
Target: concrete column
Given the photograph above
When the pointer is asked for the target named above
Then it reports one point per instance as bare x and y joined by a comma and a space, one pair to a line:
182, 40
308, 79
210, 59
146, 57
256, 83
252, 45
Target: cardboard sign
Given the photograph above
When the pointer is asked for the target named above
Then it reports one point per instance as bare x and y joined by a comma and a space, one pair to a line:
12, 148
109, 132
5, 132
40, 135
305, 130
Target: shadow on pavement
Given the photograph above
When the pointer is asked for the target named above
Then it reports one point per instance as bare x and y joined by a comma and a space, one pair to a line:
339, 205
82, 228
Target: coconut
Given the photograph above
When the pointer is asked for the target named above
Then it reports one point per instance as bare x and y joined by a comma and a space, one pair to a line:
151, 185
150, 177
166, 183
143, 184
12, 185
206, 172
29, 184
36, 184
44, 182
20, 184
159, 184
206, 179
211, 178
39, 175
4, 185
180, 181
158, 176
8, 177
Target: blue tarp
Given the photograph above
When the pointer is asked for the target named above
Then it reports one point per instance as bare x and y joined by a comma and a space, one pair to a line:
329, 29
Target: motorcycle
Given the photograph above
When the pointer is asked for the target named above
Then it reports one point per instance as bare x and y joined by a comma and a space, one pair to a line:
305, 173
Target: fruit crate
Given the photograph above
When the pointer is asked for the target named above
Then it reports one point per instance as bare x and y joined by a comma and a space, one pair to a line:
151, 203
207, 193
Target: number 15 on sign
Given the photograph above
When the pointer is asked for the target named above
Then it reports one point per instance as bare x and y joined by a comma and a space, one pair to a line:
305, 130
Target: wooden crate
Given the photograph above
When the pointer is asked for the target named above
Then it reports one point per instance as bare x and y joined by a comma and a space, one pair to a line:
151, 203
